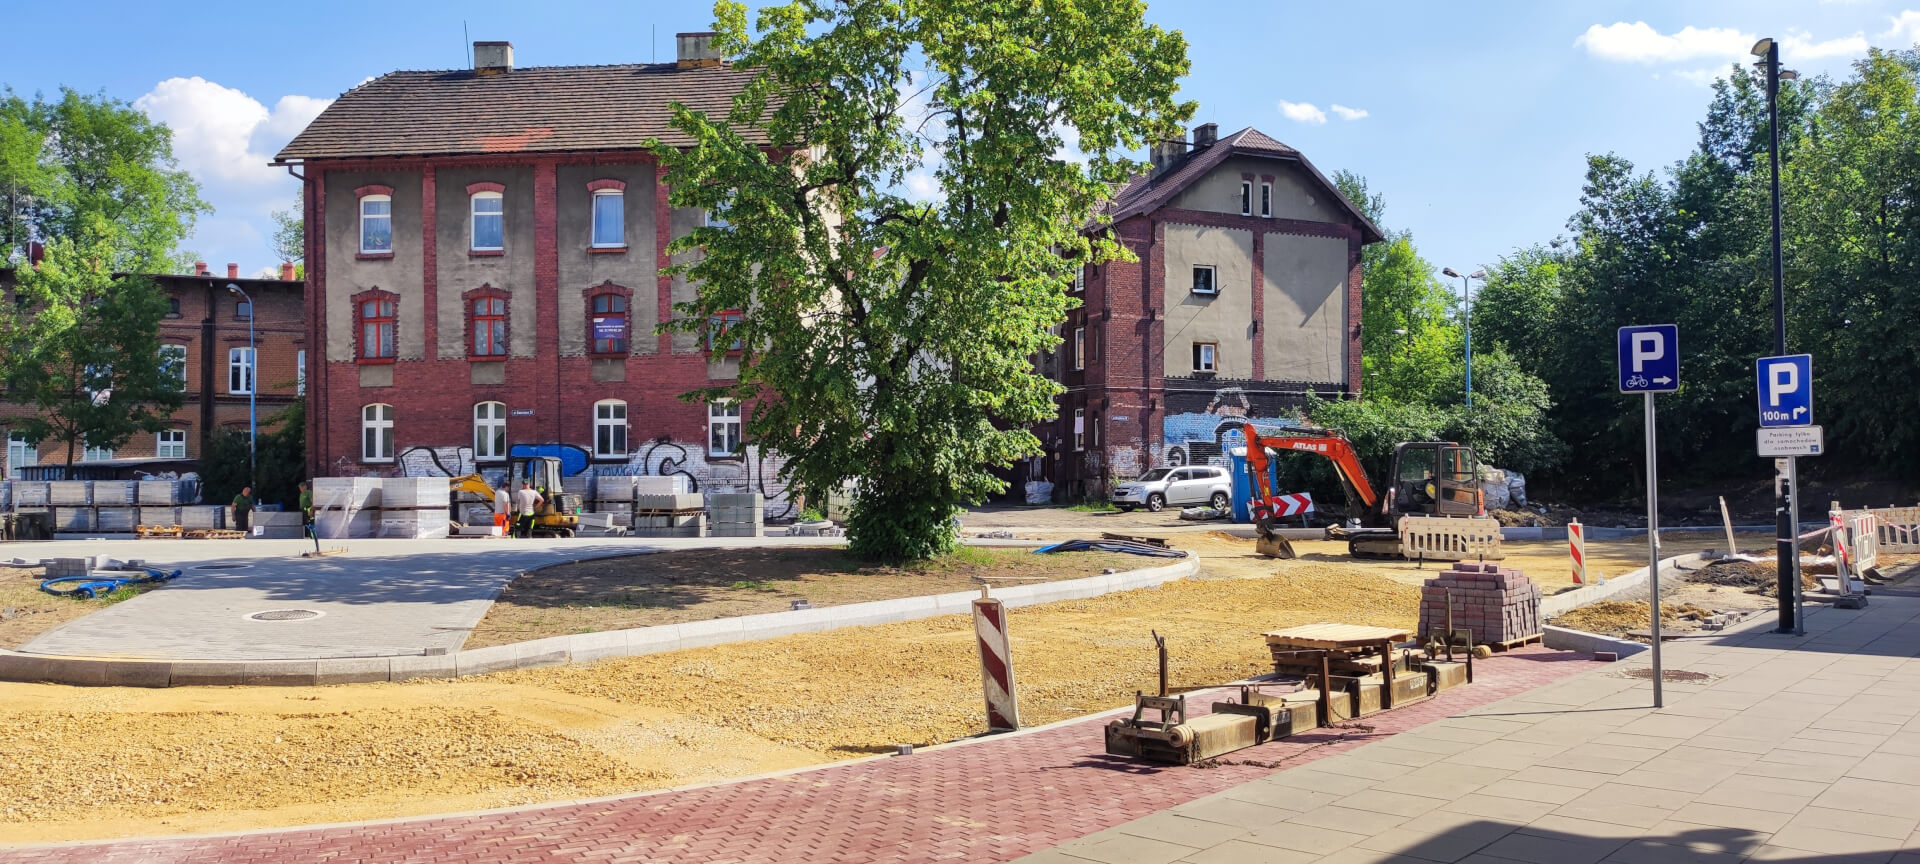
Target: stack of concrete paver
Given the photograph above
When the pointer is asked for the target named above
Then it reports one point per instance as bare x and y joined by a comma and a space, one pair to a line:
737, 514
159, 517
69, 520
159, 493
347, 506
672, 484
668, 515
203, 517
1498, 604
6, 495
113, 501
414, 508
277, 525
31, 495
613, 496
70, 493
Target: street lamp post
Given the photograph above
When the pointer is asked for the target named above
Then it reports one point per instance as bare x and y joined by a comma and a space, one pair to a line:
1466, 294
1785, 496
253, 387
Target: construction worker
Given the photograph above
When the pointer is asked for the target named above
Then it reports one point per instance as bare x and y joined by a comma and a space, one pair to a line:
243, 504
526, 503
306, 514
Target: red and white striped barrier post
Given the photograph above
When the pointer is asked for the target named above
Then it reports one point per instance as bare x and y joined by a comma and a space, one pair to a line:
996, 664
1577, 547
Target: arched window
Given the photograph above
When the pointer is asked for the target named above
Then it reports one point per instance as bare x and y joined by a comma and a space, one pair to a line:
376, 224
376, 433
610, 429
489, 431
489, 222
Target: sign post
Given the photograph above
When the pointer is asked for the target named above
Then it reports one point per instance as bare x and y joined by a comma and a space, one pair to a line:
1785, 387
1649, 364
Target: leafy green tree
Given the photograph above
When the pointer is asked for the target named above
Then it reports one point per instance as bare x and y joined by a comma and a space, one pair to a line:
290, 235
885, 339
281, 457
84, 349
91, 168
1518, 308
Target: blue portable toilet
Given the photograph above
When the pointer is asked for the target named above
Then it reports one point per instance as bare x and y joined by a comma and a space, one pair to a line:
1243, 483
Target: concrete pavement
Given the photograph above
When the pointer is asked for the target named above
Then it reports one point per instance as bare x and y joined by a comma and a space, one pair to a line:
1790, 748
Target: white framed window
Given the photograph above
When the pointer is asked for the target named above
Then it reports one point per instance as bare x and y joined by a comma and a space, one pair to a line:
173, 363
609, 219
20, 453
170, 444
96, 454
488, 218
1206, 356
610, 429
1266, 200
1079, 428
376, 433
1203, 279
1246, 197
240, 371
1079, 348
723, 428
376, 224
300, 372
489, 431
1079, 279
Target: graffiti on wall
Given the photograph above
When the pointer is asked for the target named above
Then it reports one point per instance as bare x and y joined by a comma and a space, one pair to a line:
1208, 435
754, 471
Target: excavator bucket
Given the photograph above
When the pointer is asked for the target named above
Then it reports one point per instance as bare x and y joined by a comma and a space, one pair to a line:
1274, 546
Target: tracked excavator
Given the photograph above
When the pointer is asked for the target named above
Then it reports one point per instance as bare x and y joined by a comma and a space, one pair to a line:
1427, 478
558, 517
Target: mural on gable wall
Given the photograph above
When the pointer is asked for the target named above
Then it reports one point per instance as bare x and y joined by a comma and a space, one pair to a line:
1206, 436
660, 457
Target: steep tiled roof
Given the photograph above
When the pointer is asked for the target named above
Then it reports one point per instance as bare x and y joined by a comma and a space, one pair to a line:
1145, 192
542, 108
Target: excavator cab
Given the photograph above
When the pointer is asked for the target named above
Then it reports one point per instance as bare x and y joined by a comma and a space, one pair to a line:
559, 515
1432, 478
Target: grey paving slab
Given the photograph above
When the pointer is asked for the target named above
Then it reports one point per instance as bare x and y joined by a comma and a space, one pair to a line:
376, 598
1221, 810
1242, 852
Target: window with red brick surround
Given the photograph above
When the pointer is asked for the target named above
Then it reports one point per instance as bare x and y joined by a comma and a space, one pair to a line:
718, 326
376, 220
609, 319
376, 327
487, 323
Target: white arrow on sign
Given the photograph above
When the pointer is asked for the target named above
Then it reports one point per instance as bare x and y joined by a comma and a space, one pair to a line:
1663, 380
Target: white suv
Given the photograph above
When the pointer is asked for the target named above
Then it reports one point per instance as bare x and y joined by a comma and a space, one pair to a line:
1192, 485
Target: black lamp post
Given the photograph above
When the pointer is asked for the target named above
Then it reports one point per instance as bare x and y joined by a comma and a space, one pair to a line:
1786, 496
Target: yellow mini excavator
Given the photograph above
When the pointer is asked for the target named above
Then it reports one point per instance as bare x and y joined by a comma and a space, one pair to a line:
558, 517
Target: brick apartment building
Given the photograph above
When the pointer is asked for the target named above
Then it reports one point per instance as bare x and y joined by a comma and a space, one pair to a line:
205, 333
1245, 296
485, 250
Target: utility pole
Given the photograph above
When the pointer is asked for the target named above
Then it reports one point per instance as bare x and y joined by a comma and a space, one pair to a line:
1785, 493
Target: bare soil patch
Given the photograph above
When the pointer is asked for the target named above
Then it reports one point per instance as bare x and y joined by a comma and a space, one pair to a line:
26, 611
672, 587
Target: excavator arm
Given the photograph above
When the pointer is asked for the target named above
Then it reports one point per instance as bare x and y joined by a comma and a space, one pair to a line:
476, 485
1324, 442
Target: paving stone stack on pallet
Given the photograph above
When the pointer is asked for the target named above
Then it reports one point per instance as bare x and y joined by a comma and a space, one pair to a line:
203, 517
414, 508
159, 493
31, 495
346, 507
1499, 604
613, 496
737, 514
6, 496
159, 517
278, 525
70, 520
115, 493
115, 520
671, 484
669, 515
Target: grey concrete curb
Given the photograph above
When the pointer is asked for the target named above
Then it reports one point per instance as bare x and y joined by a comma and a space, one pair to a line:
1588, 643
1567, 601
559, 650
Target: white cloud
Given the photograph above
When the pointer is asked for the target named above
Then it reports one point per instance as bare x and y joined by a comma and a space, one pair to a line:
225, 138
1640, 43
1905, 30
1799, 46
1348, 113
1699, 77
1302, 112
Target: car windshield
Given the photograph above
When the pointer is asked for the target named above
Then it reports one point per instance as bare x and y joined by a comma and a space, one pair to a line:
1155, 474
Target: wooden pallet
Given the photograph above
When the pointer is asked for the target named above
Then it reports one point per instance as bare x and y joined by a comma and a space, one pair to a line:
152, 532
214, 534
1511, 644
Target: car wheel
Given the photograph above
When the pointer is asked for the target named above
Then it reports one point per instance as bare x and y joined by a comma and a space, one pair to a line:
1220, 500
1156, 502
1124, 508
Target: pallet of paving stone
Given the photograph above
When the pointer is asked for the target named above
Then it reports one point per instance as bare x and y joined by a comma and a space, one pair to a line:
115, 493
118, 520
203, 517
674, 484
31, 493
71, 519
70, 493
158, 493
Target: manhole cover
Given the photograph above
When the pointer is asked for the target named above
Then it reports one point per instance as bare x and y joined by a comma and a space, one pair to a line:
284, 615
1671, 676
223, 567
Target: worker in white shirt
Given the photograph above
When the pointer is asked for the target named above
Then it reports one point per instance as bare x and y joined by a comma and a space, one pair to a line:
526, 502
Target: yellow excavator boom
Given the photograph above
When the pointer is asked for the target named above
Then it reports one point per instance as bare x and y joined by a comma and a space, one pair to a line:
475, 484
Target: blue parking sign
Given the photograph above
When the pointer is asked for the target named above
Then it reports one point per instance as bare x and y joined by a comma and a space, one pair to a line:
1649, 358
1786, 390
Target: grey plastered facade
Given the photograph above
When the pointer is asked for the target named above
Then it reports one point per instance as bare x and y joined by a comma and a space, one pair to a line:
1283, 320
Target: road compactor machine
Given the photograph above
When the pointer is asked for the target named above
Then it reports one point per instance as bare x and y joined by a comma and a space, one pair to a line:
1427, 478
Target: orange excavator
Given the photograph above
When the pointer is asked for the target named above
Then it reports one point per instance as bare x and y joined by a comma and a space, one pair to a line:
1427, 478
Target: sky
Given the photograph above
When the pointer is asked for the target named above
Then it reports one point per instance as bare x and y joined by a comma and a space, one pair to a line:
1474, 120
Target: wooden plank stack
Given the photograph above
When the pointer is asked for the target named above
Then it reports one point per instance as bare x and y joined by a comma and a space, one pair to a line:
1500, 605
1351, 649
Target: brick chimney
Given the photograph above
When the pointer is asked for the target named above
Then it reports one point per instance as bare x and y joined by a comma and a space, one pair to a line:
1205, 134
695, 49
286, 271
233, 271
1166, 153
492, 58
199, 268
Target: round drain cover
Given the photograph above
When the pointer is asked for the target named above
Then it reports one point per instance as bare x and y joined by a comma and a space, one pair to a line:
1668, 675
284, 615
223, 566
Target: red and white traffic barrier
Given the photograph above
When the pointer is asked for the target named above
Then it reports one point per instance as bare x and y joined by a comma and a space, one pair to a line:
996, 664
1293, 505
1577, 547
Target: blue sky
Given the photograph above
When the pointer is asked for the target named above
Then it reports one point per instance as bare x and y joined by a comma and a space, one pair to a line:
1477, 116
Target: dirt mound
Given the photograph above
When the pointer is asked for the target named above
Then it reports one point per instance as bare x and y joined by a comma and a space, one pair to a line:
1753, 576
1615, 617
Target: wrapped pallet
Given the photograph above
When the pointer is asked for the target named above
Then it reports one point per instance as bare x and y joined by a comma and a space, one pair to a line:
70, 520
114, 520
675, 484
736, 514
114, 493
31, 493
70, 493
203, 517
159, 493
411, 493
159, 517
416, 524
348, 493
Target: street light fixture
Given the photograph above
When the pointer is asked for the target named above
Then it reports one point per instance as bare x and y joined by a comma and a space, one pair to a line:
1786, 499
1466, 292
253, 386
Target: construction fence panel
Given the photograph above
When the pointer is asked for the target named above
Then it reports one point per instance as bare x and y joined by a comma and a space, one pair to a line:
1441, 538
1897, 529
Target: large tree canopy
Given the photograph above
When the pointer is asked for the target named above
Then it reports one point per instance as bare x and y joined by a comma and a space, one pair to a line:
886, 338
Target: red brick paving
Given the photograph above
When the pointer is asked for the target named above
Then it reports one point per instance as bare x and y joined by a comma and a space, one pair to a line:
995, 800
